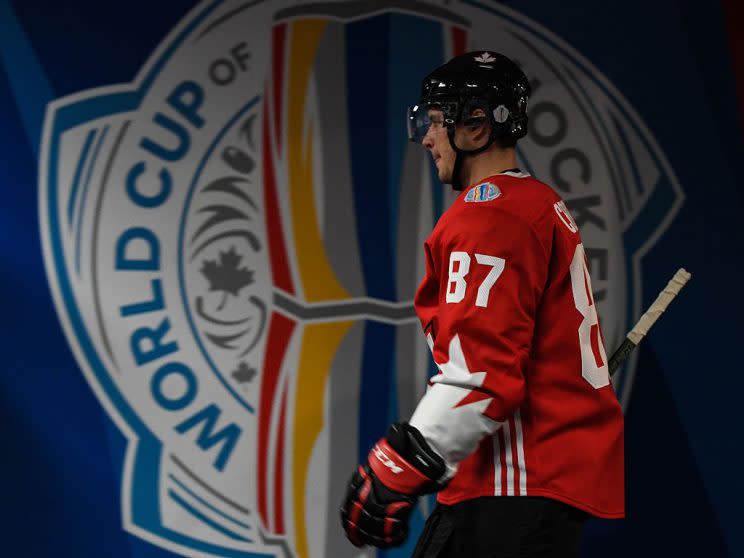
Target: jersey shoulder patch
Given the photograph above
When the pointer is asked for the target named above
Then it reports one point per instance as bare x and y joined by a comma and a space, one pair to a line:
483, 192
565, 216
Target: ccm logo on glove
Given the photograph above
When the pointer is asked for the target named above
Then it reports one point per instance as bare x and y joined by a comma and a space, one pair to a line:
389, 463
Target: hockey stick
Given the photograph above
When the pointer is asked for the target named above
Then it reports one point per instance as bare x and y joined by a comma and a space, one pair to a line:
648, 319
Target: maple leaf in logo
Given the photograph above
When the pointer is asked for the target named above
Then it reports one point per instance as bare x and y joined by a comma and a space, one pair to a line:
243, 373
485, 57
226, 275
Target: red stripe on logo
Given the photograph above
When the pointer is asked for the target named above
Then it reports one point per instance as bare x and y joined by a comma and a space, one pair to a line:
278, 42
280, 331
279, 470
277, 248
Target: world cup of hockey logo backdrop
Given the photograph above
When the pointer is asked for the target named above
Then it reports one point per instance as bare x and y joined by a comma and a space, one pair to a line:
234, 240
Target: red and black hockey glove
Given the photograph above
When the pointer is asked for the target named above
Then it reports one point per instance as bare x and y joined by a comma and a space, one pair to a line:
383, 491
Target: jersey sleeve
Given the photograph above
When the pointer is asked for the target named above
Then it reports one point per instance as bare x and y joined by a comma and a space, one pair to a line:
490, 271
427, 296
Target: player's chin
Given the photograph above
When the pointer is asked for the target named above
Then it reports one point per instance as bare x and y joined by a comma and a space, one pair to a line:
445, 176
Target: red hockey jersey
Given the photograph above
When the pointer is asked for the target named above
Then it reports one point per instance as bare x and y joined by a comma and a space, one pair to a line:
522, 404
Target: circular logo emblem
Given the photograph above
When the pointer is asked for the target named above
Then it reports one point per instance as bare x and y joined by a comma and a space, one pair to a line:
233, 241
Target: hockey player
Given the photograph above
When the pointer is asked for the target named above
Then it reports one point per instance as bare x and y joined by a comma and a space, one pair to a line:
520, 432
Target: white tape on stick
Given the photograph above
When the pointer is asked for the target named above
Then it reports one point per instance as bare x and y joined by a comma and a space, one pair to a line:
660, 304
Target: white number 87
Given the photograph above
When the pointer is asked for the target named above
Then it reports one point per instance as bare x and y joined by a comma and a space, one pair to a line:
459, 267
593, 357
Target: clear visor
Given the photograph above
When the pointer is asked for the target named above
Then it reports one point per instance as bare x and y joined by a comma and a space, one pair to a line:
417, 122
424, 117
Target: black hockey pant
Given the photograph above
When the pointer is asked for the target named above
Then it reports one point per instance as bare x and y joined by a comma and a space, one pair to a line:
502, 527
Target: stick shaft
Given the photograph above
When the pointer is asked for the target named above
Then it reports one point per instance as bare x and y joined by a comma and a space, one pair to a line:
619, 356
641, 328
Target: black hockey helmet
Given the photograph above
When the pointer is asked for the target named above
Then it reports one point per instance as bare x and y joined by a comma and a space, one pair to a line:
482, 79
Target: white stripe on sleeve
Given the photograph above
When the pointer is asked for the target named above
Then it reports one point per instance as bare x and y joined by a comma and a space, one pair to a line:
520, 455
508, 454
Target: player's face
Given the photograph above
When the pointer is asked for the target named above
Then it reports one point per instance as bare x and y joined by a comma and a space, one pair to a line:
438, 145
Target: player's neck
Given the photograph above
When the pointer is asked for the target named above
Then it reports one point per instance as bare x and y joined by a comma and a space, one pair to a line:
490, 162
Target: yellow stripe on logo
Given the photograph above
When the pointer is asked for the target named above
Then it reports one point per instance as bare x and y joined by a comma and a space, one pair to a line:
319, 282
319, 345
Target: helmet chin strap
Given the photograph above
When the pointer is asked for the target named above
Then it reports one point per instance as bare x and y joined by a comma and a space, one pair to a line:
457, 184
460, 155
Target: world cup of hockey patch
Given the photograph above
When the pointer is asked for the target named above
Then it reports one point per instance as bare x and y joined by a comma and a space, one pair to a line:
483, 192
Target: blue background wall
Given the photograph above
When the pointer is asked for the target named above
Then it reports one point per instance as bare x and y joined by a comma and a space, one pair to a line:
62, 456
